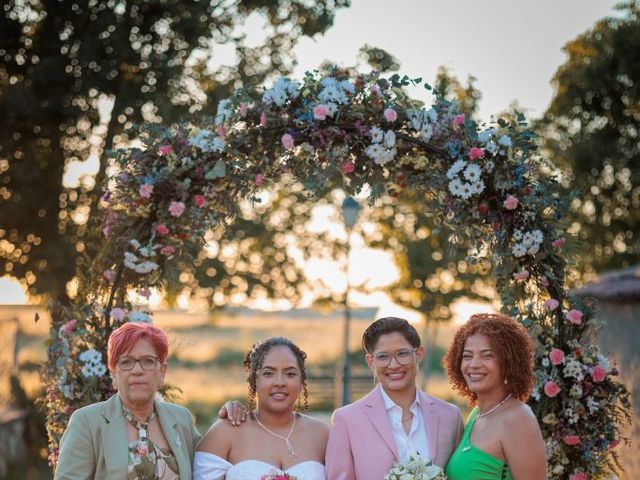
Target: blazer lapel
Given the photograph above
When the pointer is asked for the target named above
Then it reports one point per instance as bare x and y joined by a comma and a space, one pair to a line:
169, 426
377, 415
114, 430
430, 415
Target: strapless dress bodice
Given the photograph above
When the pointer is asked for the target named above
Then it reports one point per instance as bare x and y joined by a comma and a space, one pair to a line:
211, 467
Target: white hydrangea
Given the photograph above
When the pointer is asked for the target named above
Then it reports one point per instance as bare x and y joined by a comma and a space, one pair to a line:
377, 134
473, 173
486, 135
93, 366
593, 405
576, 391
573, 369
207, 141
422, 121
132, 262
139, 317
382, 148
390, 139
456, 168
225, 111
491, 146
460, 188
505, 141
283, 90
526, 243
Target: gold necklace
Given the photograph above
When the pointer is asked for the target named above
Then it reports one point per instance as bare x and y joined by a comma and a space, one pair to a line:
287, 442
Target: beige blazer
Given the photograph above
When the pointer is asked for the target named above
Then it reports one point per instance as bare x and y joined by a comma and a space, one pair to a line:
95, 444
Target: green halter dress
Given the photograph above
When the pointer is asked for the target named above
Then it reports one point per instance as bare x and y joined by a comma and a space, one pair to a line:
470, 463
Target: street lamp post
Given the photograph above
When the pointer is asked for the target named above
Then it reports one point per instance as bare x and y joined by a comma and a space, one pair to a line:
350, 212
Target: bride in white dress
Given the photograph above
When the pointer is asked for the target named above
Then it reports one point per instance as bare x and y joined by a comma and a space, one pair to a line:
275, 440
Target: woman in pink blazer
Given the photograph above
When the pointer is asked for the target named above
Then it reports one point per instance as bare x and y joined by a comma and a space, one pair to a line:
395, 419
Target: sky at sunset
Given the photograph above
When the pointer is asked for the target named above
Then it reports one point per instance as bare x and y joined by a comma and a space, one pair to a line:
512, 47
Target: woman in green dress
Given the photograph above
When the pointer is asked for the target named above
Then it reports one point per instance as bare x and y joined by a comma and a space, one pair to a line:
490, 361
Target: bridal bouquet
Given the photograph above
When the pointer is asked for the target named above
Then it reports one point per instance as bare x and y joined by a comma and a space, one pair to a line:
278, 476
415, 468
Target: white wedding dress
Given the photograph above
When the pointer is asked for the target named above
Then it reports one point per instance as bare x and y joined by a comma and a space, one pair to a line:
207, 466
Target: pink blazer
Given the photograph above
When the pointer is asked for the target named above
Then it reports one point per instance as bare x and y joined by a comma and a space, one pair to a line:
361, 445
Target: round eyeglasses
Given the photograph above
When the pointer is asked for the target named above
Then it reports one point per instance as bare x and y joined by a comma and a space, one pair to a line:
403, 356
147, 362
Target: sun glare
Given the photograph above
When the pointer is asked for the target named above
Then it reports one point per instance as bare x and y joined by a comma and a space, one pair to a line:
12, 292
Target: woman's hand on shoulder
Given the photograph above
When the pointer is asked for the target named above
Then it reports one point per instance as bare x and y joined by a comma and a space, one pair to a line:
523, 445
234, 412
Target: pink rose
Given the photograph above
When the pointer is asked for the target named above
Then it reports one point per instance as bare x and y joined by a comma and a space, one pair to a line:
579, 476
556, 356
244, 108
348, 167
221, 131
176, 209
511, 202
558, 243
166, 149
117, 314
168, 250
390, 115
571, 439
263, 119
200, 201
459, 119
551, 389
110, 275
551, 304
259, 180
521, 275
287, 141
320, 112
68, 327
475, 153
574, 316
144, 292
106, 231
145, 190
162, 230
598, 374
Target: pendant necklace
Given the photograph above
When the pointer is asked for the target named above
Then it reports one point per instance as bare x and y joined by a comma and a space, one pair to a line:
493, 409
287, 442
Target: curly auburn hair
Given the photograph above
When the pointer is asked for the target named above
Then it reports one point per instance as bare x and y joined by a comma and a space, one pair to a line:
510, 343
254, 360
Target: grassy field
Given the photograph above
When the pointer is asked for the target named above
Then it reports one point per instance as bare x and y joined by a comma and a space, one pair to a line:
206, 351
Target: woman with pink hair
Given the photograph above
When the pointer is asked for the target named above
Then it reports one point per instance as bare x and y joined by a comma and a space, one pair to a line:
133, 435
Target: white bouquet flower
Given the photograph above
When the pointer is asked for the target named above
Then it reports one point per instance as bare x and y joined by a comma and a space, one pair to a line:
415, 468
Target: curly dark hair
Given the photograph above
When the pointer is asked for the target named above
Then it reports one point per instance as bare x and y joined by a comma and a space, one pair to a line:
512, 346
386, 325
254, 360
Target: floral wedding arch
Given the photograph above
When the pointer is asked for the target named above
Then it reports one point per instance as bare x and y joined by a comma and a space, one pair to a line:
351, 132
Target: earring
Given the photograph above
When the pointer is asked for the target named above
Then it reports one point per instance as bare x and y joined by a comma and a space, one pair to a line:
505, 381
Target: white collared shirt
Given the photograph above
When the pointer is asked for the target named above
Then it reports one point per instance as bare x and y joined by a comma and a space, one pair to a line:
414, 442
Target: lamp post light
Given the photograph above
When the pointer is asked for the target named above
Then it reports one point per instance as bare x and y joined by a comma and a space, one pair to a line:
350, 212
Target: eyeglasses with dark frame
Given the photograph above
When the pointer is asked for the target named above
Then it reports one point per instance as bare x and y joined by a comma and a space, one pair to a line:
148, 362
404, 356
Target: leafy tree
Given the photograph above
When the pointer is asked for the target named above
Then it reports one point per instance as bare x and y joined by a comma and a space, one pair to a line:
75, 75
591, 131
